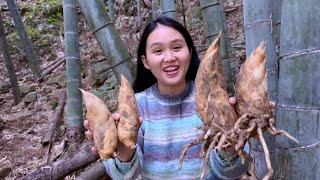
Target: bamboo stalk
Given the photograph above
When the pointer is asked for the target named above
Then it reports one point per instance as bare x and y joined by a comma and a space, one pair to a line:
215, 22
298, 91
25, 40
74, 120
109, 41
168, 8
9, 64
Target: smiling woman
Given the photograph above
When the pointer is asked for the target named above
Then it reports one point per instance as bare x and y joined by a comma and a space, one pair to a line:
165, 95
168, 58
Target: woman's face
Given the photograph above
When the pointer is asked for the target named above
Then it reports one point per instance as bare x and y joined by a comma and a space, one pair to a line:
168, 58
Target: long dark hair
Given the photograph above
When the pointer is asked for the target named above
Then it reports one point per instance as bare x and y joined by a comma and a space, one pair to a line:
145, 78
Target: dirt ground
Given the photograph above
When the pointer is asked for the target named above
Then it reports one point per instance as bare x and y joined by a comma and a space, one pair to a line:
23, 126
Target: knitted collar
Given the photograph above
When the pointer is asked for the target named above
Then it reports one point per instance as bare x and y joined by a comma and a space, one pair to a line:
173, 98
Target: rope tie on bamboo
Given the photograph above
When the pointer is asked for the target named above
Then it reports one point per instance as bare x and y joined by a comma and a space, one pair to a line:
315, 145
300, 53
209, 5
101, 27
298, 108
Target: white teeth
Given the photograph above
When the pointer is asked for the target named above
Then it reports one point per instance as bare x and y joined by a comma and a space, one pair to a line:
171, 68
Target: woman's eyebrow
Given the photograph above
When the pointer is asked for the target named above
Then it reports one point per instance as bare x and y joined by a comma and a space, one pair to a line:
159, 43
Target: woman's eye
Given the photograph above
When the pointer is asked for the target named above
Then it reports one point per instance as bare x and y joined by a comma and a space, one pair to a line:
176, 48
157, 51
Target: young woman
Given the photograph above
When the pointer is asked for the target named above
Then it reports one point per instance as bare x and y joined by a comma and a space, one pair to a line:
167, 66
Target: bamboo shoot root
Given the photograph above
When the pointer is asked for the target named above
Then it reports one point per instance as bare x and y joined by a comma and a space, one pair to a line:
224, 129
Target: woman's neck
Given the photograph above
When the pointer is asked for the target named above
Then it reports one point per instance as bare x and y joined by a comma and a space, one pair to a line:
172, 90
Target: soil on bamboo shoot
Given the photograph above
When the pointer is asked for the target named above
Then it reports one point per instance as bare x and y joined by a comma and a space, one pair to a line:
129, 120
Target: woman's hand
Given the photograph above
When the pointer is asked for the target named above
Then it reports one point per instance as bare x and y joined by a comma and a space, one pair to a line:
233, 102
124, 154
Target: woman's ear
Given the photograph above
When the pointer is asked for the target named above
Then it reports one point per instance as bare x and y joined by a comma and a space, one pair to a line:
144, 61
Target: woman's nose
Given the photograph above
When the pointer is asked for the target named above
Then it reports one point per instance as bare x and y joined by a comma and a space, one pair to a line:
169, 56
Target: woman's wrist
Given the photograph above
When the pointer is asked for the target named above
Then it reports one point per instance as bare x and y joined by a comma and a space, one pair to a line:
125, 154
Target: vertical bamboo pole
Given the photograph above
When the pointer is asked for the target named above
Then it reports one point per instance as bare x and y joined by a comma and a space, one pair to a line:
9, 65
168, 8
299, 91
258, 27
74, 97
111, 10
154, 9
276, 17
214, 20
109, 41
25, 40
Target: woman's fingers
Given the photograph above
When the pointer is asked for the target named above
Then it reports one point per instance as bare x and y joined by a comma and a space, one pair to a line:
86, 124
89, 134
232, 100
115, 116
94, 150
272, 104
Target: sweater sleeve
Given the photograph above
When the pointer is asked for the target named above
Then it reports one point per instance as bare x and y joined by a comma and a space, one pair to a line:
124, 170
228, 169
127, 170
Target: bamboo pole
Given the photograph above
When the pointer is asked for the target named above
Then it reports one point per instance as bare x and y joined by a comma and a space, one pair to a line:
154, 9
25, 40
111, 10
258, 27
215, 22
168, 8
9, 65
74, 118
109, 41
299, 91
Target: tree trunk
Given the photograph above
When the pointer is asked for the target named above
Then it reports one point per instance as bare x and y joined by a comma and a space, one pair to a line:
25, 40
74, 118
168, 8
299, 91
258, 27
109, 41
9, 65
214, 20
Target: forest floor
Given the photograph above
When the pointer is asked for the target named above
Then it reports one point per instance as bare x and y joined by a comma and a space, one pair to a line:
23, 126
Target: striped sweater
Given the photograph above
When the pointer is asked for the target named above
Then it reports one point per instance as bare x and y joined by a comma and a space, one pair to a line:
169, 123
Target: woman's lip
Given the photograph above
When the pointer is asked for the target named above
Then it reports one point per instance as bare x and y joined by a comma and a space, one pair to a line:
169, 69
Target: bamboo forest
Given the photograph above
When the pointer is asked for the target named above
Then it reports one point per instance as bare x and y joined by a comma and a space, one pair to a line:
70, 108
